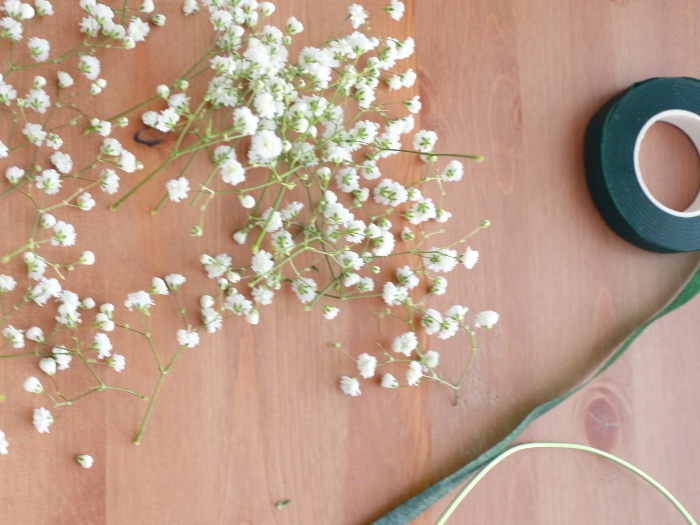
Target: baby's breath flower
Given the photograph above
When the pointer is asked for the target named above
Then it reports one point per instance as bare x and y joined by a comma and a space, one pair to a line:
109, 181
405, 344
87, 258
84, 460
33, 385
350, 386
48, 366
469, 258
34, 133
103, 322
14, 337
3, 443
42, 419
188, 338
294, 27
330, 312
89, 66
7, 283
39, 49
190, 6
431, 320
389, 381
178, 189
138, 30
486, 319
35, 334
413, 105
158, 286
174, 281
64, 80
63, 234
358, 15
14, 174
366, 364
85, 201
117, 362
139, 300
414, 373
102, 345
305, 288
43, 7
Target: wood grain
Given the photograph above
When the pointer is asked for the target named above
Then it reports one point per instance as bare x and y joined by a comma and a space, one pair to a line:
254, 416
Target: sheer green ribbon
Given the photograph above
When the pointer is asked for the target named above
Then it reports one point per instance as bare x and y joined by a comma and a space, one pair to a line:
411, 509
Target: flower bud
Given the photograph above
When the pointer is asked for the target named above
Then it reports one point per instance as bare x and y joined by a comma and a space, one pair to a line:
163, 91
33, 385
182, 84
485, 223
35, 334
29, 257
39, 82
128, 43
95, 89
107, 309
123, 122
47, 221
101, 83
247, 201
222, 283
84, 460
206, 301
158, 20
196, 231
48, 365
87, 258
233, 277
87, 303
240, 236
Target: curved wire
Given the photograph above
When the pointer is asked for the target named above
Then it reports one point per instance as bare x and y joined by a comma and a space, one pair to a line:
463, 493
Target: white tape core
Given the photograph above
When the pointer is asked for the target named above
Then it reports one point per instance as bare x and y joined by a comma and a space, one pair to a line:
688, 123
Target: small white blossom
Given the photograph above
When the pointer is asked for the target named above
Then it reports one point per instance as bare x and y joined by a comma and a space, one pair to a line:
139, 300
117, 362
486, 319
366, 364
39, 49
42, 419
469, 258
49, 181
7, 283
35, 334
305, 288
358, 15
330, 312
84, 460
178, 189
350, 386
89, 66
414, 373
63, 234
294, 26
85, 201
431, 320
33, 385
3, 443
431, 359
34, 133
103, 322
389, 381
102, 345
48, 366
405, 344
188, 338
440, 260
174, 281
14, 337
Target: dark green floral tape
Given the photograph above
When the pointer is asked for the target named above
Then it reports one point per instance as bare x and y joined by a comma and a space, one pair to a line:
613, 178
618, 191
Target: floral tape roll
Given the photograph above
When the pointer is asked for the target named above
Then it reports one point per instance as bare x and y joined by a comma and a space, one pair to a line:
613, 140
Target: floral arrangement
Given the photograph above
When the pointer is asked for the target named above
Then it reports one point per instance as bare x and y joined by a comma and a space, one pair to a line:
304, 147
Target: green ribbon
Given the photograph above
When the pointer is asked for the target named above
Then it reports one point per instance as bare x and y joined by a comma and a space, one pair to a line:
411, 509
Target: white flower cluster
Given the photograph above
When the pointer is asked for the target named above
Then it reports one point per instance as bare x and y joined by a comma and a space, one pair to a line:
296, 120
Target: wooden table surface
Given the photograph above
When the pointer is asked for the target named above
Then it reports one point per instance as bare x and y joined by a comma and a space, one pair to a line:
254, 415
